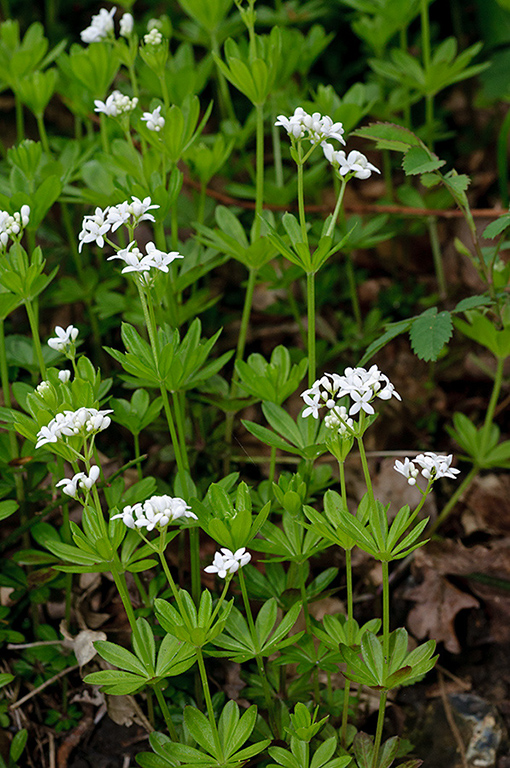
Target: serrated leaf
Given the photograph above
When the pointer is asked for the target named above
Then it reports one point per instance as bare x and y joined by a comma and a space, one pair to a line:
430, 332
420, 160
390, 136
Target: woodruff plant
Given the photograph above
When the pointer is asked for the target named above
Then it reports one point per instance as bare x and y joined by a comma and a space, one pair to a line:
132, 178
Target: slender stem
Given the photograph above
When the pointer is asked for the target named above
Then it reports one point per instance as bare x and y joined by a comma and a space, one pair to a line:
379, 730
436, 255
120, 583
353, 291
34, 327
20, 120
277, 154
301, 197
171, 582
348, 579
181, 432
345, 714
136, 440
425, 45
489, 416
310, 307
166, 714
304, 599
407, 106
259, 170
453, 501
386, 610
104, 133
226, 106
364, 464
42, 134
173, 433
209, 704
194, 553
338, 205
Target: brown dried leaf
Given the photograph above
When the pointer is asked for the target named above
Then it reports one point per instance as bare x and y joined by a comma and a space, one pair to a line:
82, 644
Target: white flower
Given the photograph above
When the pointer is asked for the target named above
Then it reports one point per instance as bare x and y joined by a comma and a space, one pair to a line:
70, 486
354, 163
118, 215
126, 25
12, 225
64, 376
154, 119
64, 339
87, 482
226, 562
154, 37
338, 419
408, 469
43, 387
156, 512
100, 26
138, 209
314, 127
133, 258
160, 259
116, 104
94, 227
435, 466
84, 422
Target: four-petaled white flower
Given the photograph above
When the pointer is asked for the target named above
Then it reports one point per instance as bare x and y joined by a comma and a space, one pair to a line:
226, 563
64, 338
435, 466
155, 121
80, 480
138, 209
355, 163
94, 228
157, 512
100, 27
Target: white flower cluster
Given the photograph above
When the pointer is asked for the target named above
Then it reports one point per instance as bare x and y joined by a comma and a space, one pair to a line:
154, 259
84, 421
360, 385
337, 419
154, 37
64, 338
354, 163
314, 127
80, 480
98, 224
116, 104
155, 121
226, 563
12, 224
100, 27
432, 465
156, 512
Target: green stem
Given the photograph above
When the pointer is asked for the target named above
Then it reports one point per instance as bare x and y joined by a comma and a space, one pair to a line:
20, 121
104, 133
386, 610
407, 106
351, 279
136, 440
489, 416
379, 730
194, 553
42, 134
338, 205
277, 154
169, 577
181, 432
425, 45
166, 714
209, 704
436, 255
181, 467
120, 583
502, 156
364, 464
310, 308
453, 501
301, 196
34, 327
226, 106
259, 171
345, 714
304, 599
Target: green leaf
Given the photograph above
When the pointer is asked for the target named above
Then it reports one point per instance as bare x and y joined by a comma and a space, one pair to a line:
144, 645
389, 136
430, 332
200, 728
120, 657
420, 160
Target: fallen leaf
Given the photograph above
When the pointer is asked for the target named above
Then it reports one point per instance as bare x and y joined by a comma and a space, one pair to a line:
82, 644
